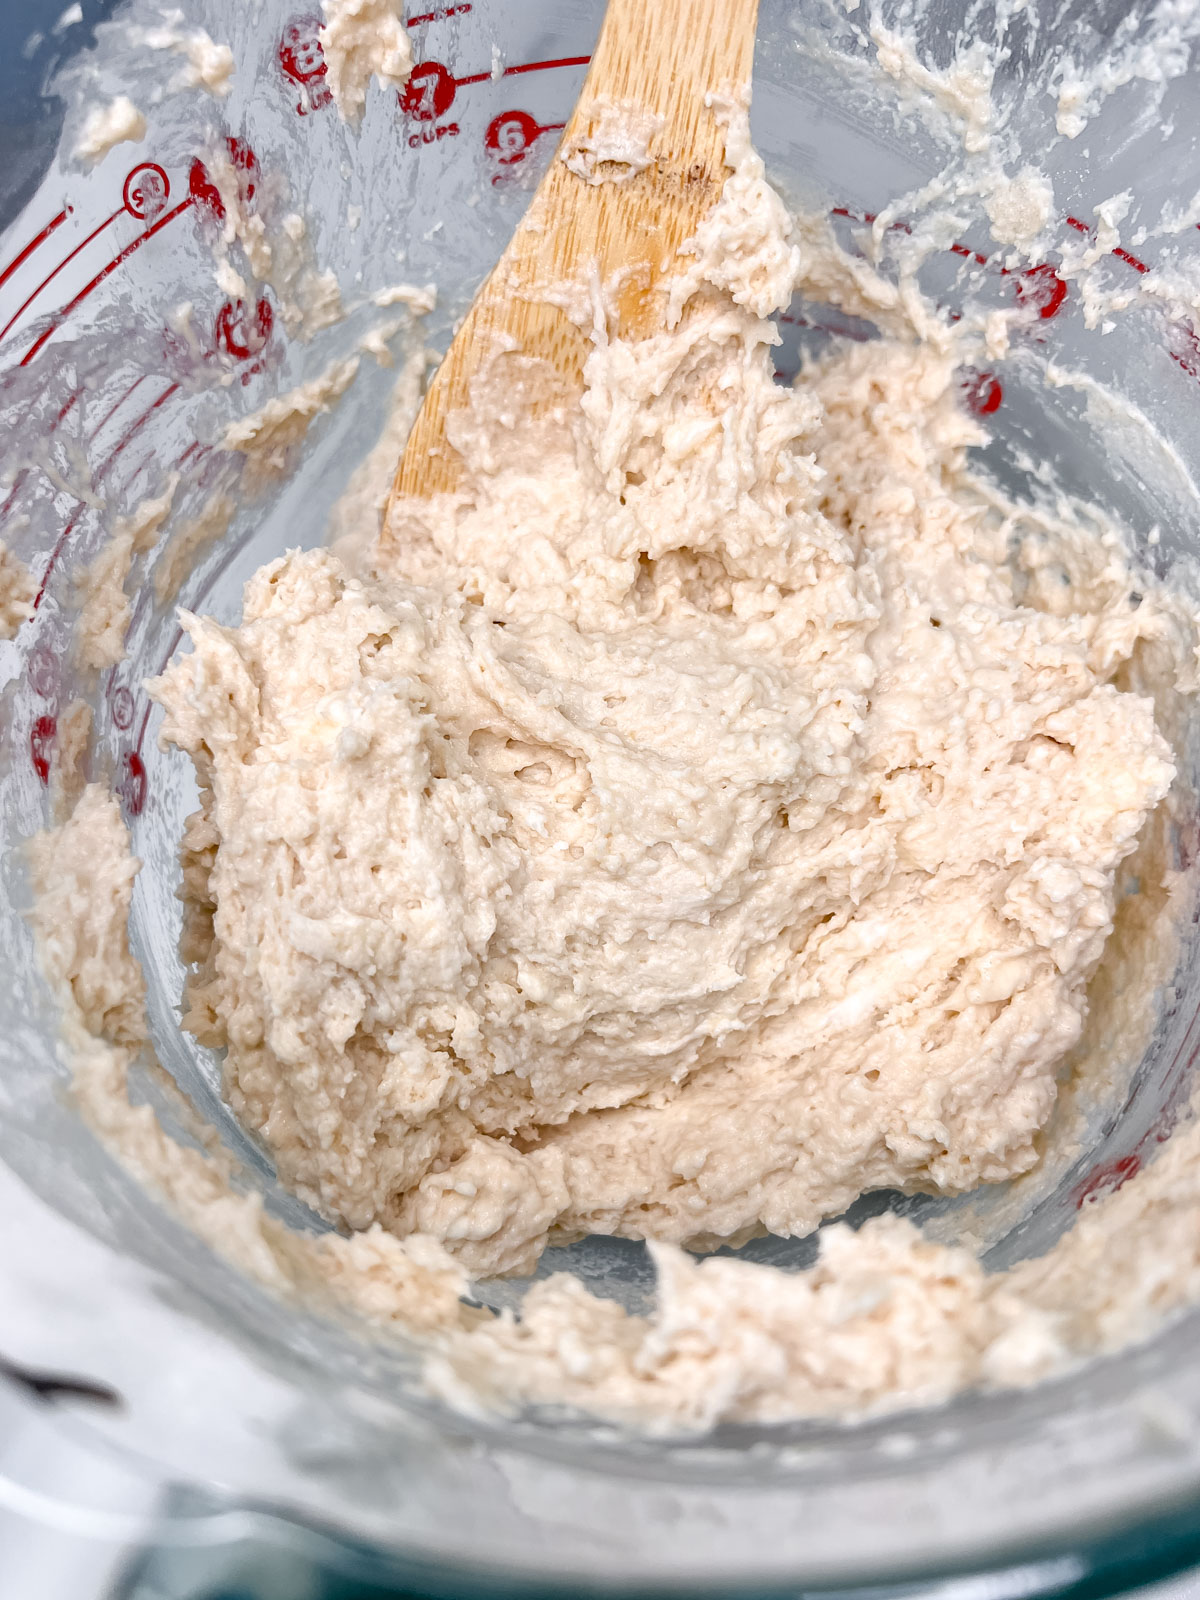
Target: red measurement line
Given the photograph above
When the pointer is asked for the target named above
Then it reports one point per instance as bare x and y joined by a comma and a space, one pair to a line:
971, 255
1120, 252
527, 66
438, 16
141, 466
134, 429
868, 218
66, 261
19, 261
65, 412
123, 255
18, 485
1131, 260
545, 66
116, 406
146, 714
21, 478
54, 555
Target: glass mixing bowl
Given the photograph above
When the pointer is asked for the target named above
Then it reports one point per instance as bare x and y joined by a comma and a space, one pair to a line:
239, 1412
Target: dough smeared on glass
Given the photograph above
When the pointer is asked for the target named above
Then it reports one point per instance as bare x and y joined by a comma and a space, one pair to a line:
18, 588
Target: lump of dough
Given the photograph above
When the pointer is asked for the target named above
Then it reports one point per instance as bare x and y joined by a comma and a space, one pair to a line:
716, 839
686, 826
363, 39
18, 588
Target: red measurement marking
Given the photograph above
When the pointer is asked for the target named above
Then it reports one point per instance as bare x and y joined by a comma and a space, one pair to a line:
1107, 1179
133, 430
194, 449
438, 16
146, 192
121, 706
526, 66
246, 165
1038, 286
428, 135
146, 462
430, 90
43, 672
19, 260
1120, 252
869, 218
981, 392
512, 134
302, 61
1130, 260
143, 197
971, 255
1042, 287
121, 257
134, 784
242, 331
18, 484
50, 277
41, 742
204, 191
70, 405
544, 66
116, 406
301, 54
1184, 347
54, 555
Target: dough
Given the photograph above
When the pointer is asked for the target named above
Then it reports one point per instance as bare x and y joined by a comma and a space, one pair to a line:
107, 125
105, 606
617, 145
884, 1319
18, 588
207, 65
268, 436
690, 826
363, 39
1019, 208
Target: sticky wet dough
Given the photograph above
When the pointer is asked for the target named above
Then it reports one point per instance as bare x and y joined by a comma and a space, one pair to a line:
690, 826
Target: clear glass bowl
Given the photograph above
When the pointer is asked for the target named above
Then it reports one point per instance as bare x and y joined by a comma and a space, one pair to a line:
249, 1414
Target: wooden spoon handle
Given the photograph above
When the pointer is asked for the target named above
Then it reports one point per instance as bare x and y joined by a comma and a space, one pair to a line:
668, 55
661, 59
669, 58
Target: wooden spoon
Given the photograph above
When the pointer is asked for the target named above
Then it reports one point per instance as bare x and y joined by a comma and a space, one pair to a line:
663, 58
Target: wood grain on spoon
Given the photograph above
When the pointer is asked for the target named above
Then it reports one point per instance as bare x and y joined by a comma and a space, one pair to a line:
665, 56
